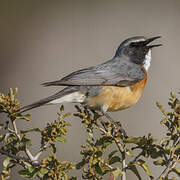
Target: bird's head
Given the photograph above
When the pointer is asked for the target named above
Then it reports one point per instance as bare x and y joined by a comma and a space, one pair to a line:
137, 50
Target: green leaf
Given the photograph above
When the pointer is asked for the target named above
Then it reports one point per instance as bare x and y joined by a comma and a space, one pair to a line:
142, 164
1, 126
138, 140
159, 162
53, 147
176, 170
114, 159
163, 120
24, 173
60, 139
43, 171
27, 117
81, 164
134, 170
98, 169
15, 91
30, 130
165, 140
6, 162
112, 153
30, 172
62, 108
116, 173
11, 95
129, 153
99, 153
25, 142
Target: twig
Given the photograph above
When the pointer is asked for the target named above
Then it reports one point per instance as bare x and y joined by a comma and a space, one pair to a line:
36, 157
171, 164
123, 165
14, 157
120, 148
28, 153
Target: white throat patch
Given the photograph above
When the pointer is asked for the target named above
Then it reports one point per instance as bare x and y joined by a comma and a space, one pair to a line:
147, 61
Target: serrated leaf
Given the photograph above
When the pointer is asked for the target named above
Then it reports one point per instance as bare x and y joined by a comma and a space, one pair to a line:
30, 130
134, 170
60, 139
142, 164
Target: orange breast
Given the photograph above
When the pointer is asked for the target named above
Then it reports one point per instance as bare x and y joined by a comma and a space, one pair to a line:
118, 98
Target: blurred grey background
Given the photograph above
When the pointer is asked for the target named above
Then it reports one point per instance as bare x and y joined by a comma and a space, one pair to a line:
45, 40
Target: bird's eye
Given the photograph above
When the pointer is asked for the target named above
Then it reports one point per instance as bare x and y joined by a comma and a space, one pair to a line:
133, 44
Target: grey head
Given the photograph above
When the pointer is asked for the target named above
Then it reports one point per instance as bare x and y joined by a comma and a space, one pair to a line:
137, 49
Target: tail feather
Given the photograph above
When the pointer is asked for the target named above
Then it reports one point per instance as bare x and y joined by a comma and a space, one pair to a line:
49, 99
52, 83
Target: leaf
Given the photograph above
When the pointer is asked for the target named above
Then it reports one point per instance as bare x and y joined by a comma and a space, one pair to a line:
15, 91
6, 162
116, 173
112, 153
30, 130
159, 162
142, 163
163, 120
138, 140
53, 147
81, 164
98, 153
176, 170
27, 117
134, 170
98, 169
43, 171
165, 140
129, 153
31, 172
1, 126
60, 139
114, 159
11, 95
24, 173
62, 108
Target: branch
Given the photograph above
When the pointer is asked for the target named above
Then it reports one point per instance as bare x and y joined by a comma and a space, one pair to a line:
18, 159
171, 163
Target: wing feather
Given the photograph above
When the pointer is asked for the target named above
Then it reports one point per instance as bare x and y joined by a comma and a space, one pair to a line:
116, 72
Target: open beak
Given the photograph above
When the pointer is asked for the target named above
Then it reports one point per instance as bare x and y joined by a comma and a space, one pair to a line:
150, 40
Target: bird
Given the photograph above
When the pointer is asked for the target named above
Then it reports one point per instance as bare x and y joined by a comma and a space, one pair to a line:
114, 85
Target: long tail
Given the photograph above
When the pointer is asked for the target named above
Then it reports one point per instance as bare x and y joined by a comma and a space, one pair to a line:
69, 94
